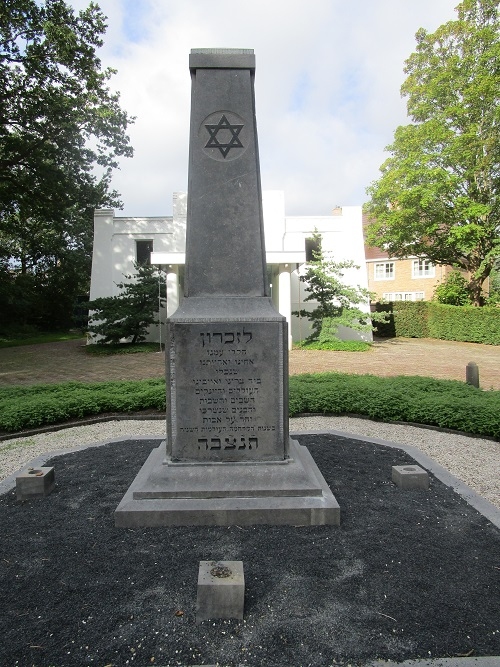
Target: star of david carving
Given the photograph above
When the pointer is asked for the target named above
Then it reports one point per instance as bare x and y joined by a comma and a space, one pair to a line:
234, 141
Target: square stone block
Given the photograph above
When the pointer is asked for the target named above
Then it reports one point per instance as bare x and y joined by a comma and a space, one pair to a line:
35, 483
410, 477
221, 590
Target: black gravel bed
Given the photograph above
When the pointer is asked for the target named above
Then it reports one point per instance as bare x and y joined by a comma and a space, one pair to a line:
408, 574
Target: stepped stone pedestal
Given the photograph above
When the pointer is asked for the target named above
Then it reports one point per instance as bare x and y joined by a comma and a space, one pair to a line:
228, 458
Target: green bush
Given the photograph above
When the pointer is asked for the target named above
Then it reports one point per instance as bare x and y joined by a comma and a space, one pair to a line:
453, 291
445, 403
411, 319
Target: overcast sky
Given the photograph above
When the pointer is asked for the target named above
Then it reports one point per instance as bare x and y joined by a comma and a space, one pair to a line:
327, 89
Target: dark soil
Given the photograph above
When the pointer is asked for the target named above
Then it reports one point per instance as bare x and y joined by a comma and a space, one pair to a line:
408, 574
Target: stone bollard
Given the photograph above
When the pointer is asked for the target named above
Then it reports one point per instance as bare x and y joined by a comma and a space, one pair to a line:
472, 374
35, 483
410, 477
221, 590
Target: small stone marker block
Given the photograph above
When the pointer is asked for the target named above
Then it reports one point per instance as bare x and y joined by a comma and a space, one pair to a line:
35, 483
472, 374
221, 590
410, 477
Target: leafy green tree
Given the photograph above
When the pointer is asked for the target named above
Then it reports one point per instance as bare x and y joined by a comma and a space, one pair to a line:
337, 303
453, 290
130, 314
439, 192
61, 133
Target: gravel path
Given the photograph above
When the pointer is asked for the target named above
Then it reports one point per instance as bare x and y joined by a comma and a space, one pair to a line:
475, 461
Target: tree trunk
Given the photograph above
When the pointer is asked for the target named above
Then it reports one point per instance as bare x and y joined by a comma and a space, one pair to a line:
476, 290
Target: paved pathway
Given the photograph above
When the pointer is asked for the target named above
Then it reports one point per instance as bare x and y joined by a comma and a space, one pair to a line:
59, 362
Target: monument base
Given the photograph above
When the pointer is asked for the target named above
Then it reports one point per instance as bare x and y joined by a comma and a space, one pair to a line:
290, 492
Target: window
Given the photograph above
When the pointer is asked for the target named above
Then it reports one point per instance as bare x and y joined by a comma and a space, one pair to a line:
403, 296
312, 246
422, 268
143, 250
384, 271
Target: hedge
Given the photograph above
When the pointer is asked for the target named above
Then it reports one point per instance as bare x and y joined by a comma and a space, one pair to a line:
446, 403
429, 319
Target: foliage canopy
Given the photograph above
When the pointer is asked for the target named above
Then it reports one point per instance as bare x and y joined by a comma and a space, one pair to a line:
61, 133
439, 192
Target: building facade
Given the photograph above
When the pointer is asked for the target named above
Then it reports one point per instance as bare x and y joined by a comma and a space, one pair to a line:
121, 241
408, 279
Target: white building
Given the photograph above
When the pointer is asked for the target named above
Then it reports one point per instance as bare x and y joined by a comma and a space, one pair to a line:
120, 241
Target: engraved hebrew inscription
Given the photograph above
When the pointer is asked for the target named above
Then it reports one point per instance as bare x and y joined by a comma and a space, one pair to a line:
228, 403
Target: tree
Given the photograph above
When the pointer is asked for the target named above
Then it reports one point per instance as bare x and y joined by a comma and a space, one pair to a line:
439, 192
61, 133
130, 314
337, 302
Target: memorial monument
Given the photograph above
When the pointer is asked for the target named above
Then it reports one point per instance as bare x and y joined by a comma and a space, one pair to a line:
228, 457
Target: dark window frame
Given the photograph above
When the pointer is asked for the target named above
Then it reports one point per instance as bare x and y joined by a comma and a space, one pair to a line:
312, 245
143, 250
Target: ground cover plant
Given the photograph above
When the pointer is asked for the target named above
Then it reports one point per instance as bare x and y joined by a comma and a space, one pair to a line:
121, 348
444, 403
39, 405
35, 338
334, 345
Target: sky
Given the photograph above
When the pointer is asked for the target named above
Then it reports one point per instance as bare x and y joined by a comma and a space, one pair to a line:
327, 89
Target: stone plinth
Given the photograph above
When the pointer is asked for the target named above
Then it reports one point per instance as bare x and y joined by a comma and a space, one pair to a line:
221, 590
290, 492
410, 477
35, 483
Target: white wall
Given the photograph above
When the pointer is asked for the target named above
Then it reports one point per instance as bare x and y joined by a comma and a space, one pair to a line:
342, 236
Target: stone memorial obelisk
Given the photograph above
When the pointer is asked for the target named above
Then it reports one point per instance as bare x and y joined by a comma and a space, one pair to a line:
228, 458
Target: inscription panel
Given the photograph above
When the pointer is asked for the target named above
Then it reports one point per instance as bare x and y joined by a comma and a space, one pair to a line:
226, 391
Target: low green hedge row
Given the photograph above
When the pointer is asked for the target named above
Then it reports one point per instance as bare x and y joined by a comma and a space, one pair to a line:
444, 403
428, 319
39, 405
